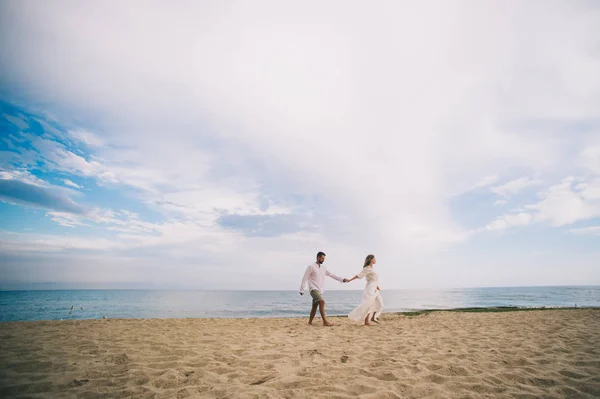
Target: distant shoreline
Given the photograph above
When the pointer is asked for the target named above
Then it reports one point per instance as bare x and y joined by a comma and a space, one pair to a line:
48, 287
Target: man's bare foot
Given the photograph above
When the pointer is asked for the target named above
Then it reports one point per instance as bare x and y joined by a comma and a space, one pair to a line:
310, 323
327, 324
373, 320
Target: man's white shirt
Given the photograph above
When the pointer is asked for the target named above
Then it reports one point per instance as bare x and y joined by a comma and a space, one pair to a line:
315, 276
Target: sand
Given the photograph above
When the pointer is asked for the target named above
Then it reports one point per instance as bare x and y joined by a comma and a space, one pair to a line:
551, 353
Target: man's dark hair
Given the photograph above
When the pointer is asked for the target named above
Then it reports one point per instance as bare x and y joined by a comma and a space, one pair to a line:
321, 254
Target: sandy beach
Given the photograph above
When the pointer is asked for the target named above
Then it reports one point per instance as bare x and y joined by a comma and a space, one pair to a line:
551, 353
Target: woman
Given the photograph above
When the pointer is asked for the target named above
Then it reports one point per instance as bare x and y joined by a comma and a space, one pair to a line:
372, 303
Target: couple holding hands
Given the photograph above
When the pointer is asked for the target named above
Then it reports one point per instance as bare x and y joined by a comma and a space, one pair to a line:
371, 305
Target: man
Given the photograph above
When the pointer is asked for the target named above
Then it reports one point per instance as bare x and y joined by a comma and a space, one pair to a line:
315, 276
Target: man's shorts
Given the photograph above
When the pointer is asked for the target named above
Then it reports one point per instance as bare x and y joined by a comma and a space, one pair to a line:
316, 296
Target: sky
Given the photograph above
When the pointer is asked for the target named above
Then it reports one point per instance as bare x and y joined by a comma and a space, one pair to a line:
220, 145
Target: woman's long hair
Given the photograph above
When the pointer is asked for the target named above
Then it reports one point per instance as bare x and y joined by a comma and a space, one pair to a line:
368, 260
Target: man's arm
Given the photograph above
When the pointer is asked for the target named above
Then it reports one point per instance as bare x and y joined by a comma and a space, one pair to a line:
304, 280
333, 276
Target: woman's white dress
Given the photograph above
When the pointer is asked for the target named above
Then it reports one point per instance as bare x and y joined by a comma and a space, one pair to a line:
371, 298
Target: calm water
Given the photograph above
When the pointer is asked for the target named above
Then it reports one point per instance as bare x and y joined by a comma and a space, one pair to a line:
55, 305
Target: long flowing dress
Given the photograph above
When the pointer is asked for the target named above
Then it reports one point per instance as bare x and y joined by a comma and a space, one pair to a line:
371, 298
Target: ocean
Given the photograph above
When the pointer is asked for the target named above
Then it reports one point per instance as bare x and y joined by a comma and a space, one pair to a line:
96, 304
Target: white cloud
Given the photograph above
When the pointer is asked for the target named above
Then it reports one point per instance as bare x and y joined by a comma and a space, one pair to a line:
71, 184
61, 159
510, 220
123, 221
570, 201
486, 181
87, 138
201, 203
371, 127
468, 186
113, 171
500, 202
66, 219
22, 175
591, 158
592, 230
515, 186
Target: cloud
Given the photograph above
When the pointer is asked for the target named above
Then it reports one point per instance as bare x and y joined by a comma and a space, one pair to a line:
486, 181
511, 220
592, 230
562, 204
568, 202
28, 194
87, 138
265, 225
480, 183
67, 219
367, 132
21, 175
54, 156
71, 184
515, 186
58, 158
303, 92
122, 222
591, 158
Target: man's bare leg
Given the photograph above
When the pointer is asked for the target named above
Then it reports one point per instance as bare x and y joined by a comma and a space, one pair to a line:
322, 310
313, 312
